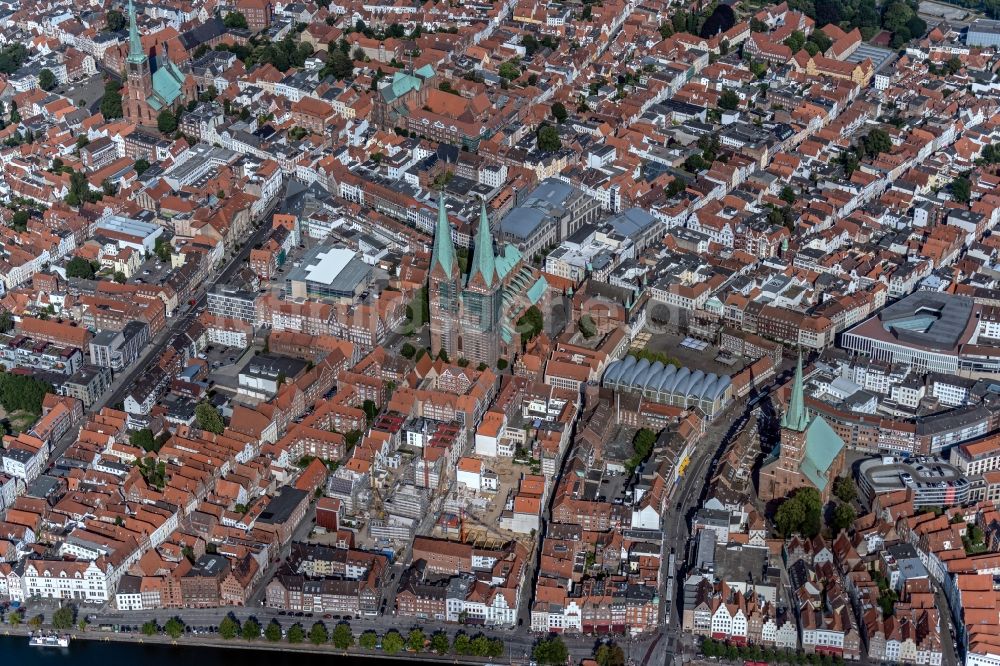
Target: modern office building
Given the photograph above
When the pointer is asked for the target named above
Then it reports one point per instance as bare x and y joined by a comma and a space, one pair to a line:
551, 212
231, 303
932, 331
118, 349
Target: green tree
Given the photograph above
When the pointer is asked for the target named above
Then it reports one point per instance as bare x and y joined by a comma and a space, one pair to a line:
820, 39
916, 26
119, 277
392, 642
462, 644
370, 409
109, 187
46, 79
509, 70
174, 627
208, 418
961, 189
843, 517
407, 350
787, 194
559, 113
141, 166
849, 160
235, 20
150, 628
343, 638
272, 632
6, 321
114, 21
896, 16
952, 65
111, 102
729, 100
79, 187
20, 220
676, 186
15, 115
22, 393
166, 122
550, 651
162, 249
531, 323
802, 513
229, 628
695, 163
877, 141
250, 630
368, 640
296, 634
340, 65
480, 646
143, 439
795, 41
318, 635
63, 617
440, 642
78, 267
844, 489
548, 139
415, 641
609, 655
642, 445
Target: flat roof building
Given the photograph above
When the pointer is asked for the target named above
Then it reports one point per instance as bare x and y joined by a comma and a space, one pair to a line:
330, 273
933, 481
983, 32
931, 331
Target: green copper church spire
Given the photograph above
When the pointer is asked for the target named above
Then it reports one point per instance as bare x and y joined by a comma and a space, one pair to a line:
135, 53
795, 417
444, 248
483, 260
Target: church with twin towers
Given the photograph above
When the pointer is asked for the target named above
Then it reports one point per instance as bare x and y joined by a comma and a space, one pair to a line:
473, 313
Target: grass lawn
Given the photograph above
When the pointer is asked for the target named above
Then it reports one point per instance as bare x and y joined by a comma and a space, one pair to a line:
22, 420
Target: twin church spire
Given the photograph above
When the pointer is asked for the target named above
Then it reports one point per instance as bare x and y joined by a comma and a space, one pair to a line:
444, 258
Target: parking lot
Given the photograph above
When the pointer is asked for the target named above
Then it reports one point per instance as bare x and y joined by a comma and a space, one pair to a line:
89, 91
225, 365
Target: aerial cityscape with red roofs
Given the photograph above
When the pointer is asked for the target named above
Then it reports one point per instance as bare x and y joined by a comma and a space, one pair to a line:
547, 333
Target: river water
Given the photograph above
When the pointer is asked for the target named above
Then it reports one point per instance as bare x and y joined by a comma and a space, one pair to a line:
15, 651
